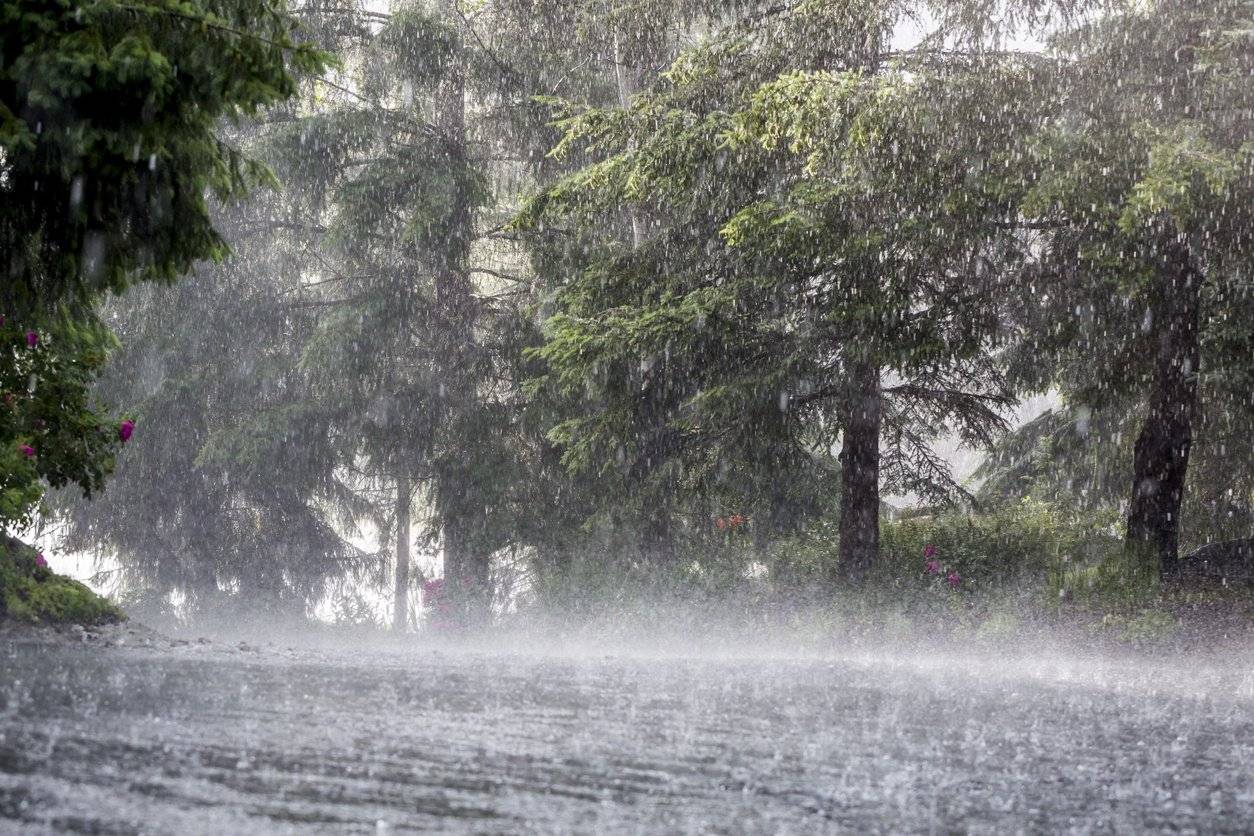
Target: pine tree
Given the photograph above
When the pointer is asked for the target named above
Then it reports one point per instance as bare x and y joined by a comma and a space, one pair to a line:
819, 265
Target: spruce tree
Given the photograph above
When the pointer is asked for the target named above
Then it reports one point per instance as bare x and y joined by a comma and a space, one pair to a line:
820, 263
1141, 184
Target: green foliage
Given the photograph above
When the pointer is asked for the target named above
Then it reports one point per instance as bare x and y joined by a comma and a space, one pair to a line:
109, 149
792, 201
37, 595
350, 340
1081, 457
1020, 545
1121, 579
736, 206
195, 504
108, 136
1141, 180
1142, 627
51, 430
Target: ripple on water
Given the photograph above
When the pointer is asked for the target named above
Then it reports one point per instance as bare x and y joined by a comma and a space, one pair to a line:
176, 743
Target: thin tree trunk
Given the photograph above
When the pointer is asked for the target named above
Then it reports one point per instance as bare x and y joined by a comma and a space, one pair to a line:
453, 288
400, 601
627, 80
860, 476
468, 576
658, 541
1161, 460
465, 572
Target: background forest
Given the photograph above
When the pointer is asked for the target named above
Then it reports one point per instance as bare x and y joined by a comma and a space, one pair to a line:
555, 303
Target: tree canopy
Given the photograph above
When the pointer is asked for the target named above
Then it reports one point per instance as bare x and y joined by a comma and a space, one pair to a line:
109, 151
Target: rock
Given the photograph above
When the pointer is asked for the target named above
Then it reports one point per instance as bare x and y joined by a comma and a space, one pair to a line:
1230, 562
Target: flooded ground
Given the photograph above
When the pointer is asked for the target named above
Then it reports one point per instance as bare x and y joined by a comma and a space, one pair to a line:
198, 740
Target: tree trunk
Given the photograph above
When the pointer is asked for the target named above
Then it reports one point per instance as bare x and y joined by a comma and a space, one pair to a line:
400, 602
628, 81
657, 542
453, 288
860, 475
1162, 450
465, 573
467, 576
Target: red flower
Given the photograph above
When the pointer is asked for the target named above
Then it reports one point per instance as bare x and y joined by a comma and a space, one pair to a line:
720, 523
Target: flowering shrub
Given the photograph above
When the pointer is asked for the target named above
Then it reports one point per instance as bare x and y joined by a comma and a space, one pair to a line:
435, 601
730, 523
932, 567
1024, 541
50, 431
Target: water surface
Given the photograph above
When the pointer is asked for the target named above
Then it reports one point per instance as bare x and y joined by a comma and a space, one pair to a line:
200, 740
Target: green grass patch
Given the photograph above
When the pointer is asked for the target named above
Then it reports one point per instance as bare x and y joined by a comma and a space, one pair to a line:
36, 595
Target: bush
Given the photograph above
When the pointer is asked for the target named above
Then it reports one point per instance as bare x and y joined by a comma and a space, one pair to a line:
1027, 543
1022, 543
33, 593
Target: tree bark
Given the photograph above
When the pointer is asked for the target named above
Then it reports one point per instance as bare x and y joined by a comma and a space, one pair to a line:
1161, 460
860, 475
400, 601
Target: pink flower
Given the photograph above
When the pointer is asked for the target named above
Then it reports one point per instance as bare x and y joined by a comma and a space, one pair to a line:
929, 550
27, 451
40, 561
125, 429
32, 339
932, 567
953, 579
720, 523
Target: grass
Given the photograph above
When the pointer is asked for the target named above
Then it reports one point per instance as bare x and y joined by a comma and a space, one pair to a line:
34, 594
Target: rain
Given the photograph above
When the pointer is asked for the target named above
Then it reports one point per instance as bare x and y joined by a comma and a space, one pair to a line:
642, 416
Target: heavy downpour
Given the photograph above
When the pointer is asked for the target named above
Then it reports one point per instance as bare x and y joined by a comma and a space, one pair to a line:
626, 416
